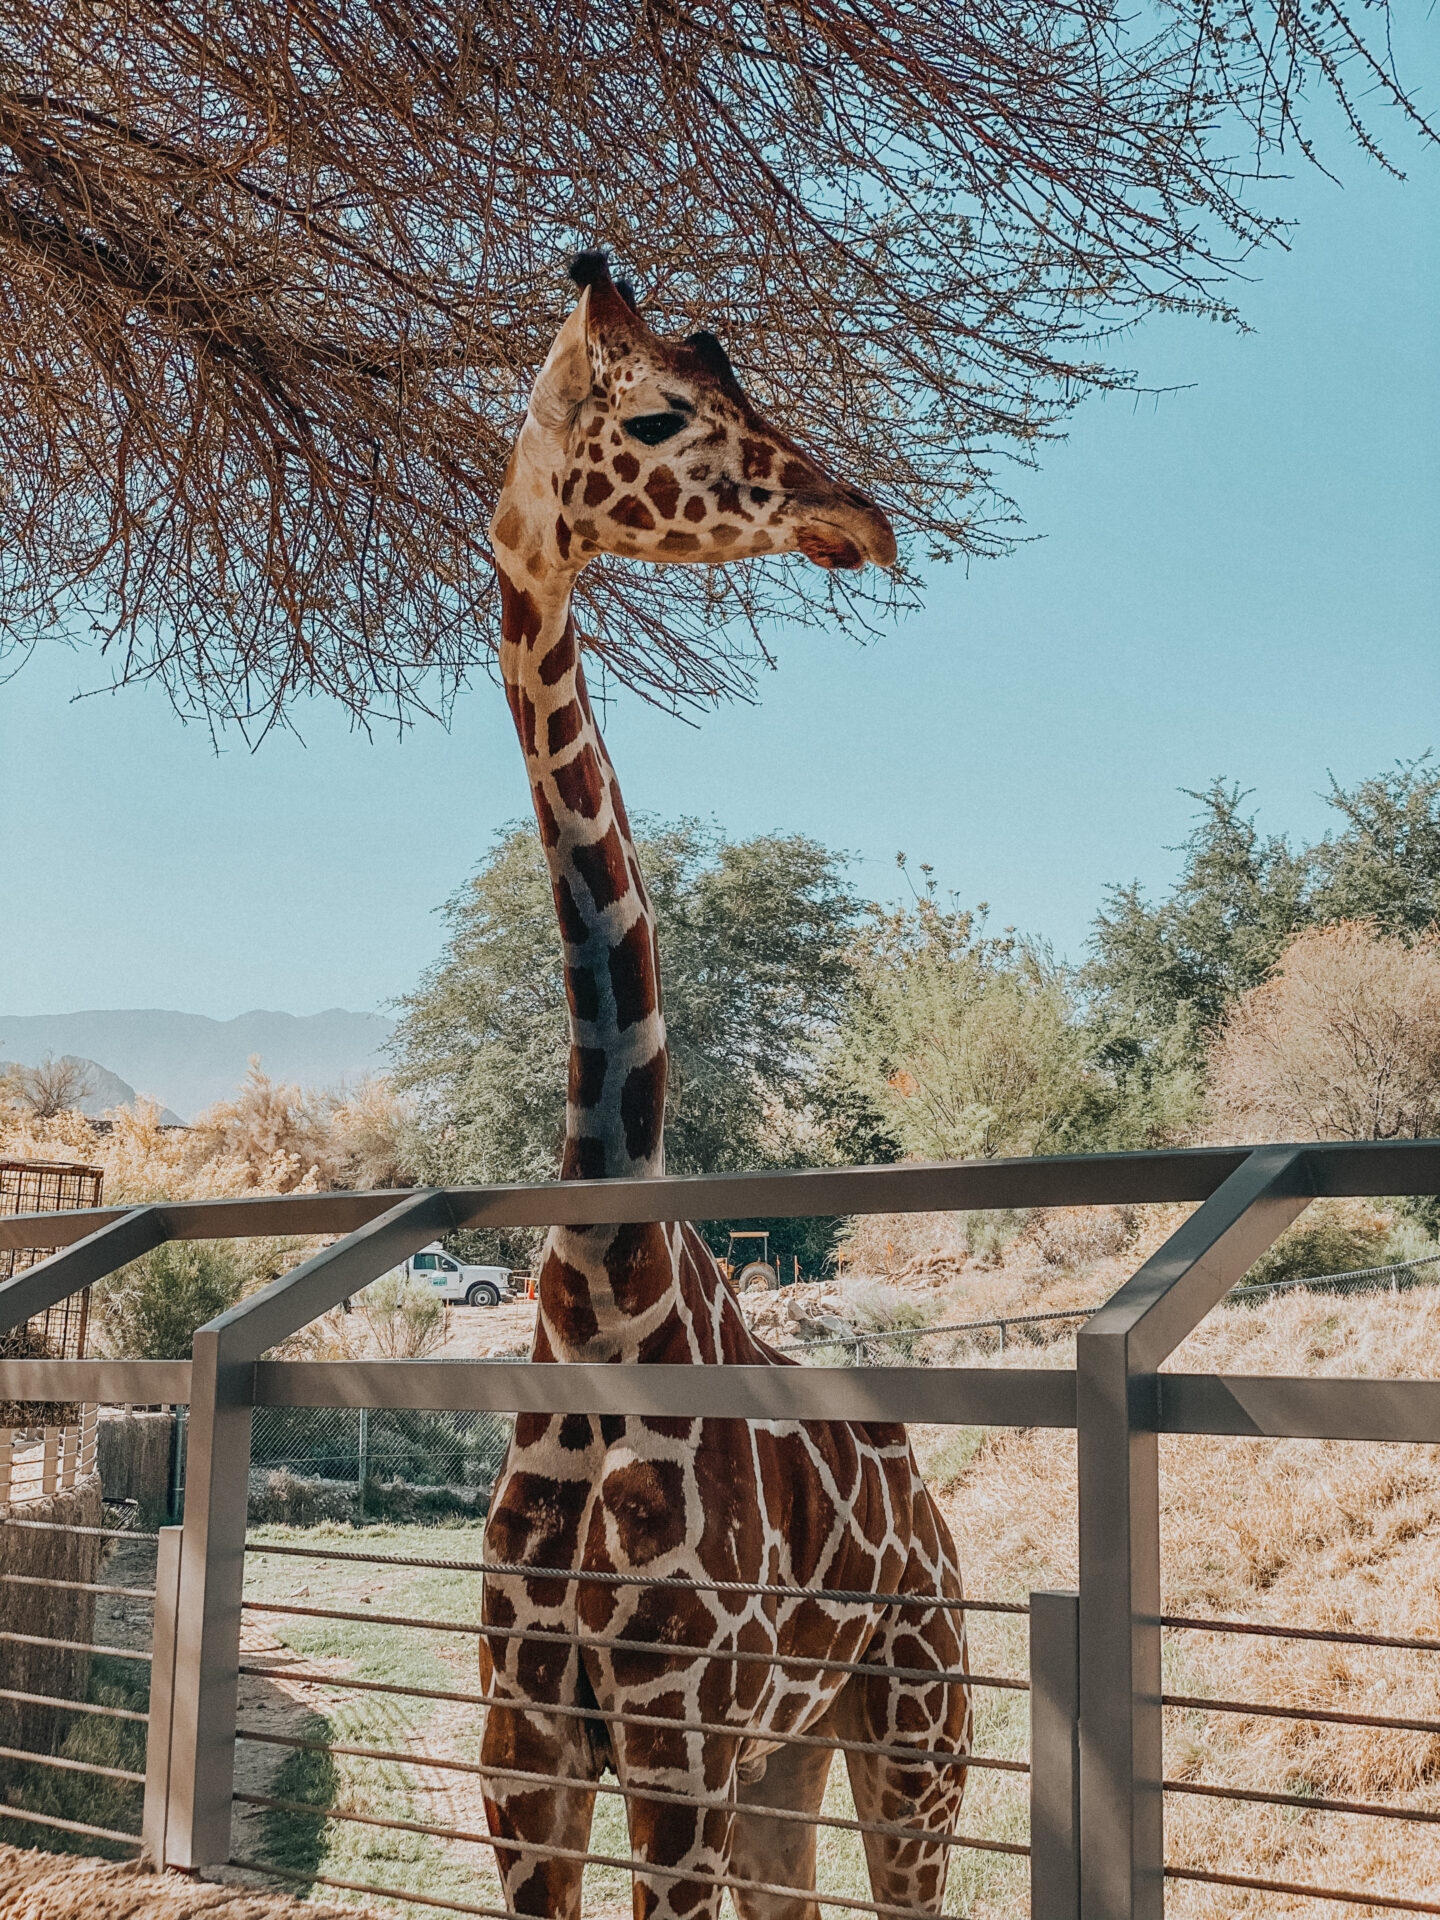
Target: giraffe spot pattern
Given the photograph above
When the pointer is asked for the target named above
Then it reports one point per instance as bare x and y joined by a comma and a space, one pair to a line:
664, 490
560, 660
601, 865
642, 1107
582, 990
564, 726
579, 784
695, 508
632, 976
631, 512
587, 1075
598, 489
756, 458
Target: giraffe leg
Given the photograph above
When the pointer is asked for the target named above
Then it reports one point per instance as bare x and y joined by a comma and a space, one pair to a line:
918, 1795
682, 1838
781, 1851
523, 1815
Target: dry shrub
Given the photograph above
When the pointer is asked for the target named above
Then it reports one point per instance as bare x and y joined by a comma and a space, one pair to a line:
889, 1243
1342, 1042
404, 1318
46, 1886
1079, 1236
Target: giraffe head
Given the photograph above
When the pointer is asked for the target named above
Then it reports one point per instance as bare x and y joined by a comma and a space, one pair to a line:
649, 448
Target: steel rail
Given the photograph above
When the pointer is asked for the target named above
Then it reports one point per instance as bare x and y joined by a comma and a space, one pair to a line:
662, 1583
1320, 1715
660, 1650
68, 1826
1396, 1903
662, 1796
72, 1706
540, 1850
1334, 1636
75, 1646
69, 1766
1258, 1797
1342, 1168
76, 1586
912, 1756
953, 1396
1191, 1173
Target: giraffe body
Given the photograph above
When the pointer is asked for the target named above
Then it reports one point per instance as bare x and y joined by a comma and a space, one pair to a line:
637, 446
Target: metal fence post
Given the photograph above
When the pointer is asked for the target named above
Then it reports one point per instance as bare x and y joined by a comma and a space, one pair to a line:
1118, 1353
207, 1636
1055, 1756
162, 1685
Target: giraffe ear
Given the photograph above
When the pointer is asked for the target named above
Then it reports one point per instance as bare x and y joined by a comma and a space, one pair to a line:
565, 379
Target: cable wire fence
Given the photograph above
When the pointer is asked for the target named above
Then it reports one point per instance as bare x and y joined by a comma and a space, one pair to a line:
366, 1757
76, 1608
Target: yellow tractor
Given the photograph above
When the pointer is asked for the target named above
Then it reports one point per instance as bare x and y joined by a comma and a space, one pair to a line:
756, 1271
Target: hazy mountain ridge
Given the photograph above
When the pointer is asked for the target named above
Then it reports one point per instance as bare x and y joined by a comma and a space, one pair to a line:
186, 1061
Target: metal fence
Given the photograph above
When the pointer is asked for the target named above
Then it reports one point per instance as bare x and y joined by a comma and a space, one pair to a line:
1091, 1774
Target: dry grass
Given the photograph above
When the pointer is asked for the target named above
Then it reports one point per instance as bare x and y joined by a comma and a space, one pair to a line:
43, 1886
1299, 1532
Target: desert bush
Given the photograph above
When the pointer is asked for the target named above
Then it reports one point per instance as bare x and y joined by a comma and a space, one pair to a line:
404, 1318
1329, 1237
1341, 1042
1077, 1236
874, 1306
150, 1309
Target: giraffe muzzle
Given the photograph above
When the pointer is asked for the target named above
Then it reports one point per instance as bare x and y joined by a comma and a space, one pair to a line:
844, 541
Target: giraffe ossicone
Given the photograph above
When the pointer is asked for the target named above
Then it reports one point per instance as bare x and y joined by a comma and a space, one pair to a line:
641, 447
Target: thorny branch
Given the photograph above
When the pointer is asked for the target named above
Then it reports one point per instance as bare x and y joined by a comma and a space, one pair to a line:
273, 281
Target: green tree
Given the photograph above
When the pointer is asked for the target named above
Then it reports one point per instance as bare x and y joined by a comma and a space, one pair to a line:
1164, 974
1238, 899
150, 1309
960, 1043
752, 937
1384, 865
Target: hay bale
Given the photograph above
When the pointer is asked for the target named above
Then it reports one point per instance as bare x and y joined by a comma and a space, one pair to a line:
48, 1886
58, 1613
133, 1456
30, 1342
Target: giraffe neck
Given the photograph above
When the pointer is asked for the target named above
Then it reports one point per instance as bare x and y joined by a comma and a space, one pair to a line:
615, 1105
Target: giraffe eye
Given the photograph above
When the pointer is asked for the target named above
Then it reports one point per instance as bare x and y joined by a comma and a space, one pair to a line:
651, 428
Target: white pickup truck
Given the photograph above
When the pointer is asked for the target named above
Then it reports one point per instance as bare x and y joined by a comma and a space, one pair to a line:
451, 1279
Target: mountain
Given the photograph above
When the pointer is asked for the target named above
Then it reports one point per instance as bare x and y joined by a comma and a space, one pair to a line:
107, 1089
187, 1060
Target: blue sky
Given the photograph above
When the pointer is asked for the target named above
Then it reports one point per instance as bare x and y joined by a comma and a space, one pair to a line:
1236, 577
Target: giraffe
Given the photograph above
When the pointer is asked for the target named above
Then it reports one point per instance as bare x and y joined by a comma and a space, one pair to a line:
648, 448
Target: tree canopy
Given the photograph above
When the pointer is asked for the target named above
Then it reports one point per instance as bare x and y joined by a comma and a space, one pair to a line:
273, 282
1241, 896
